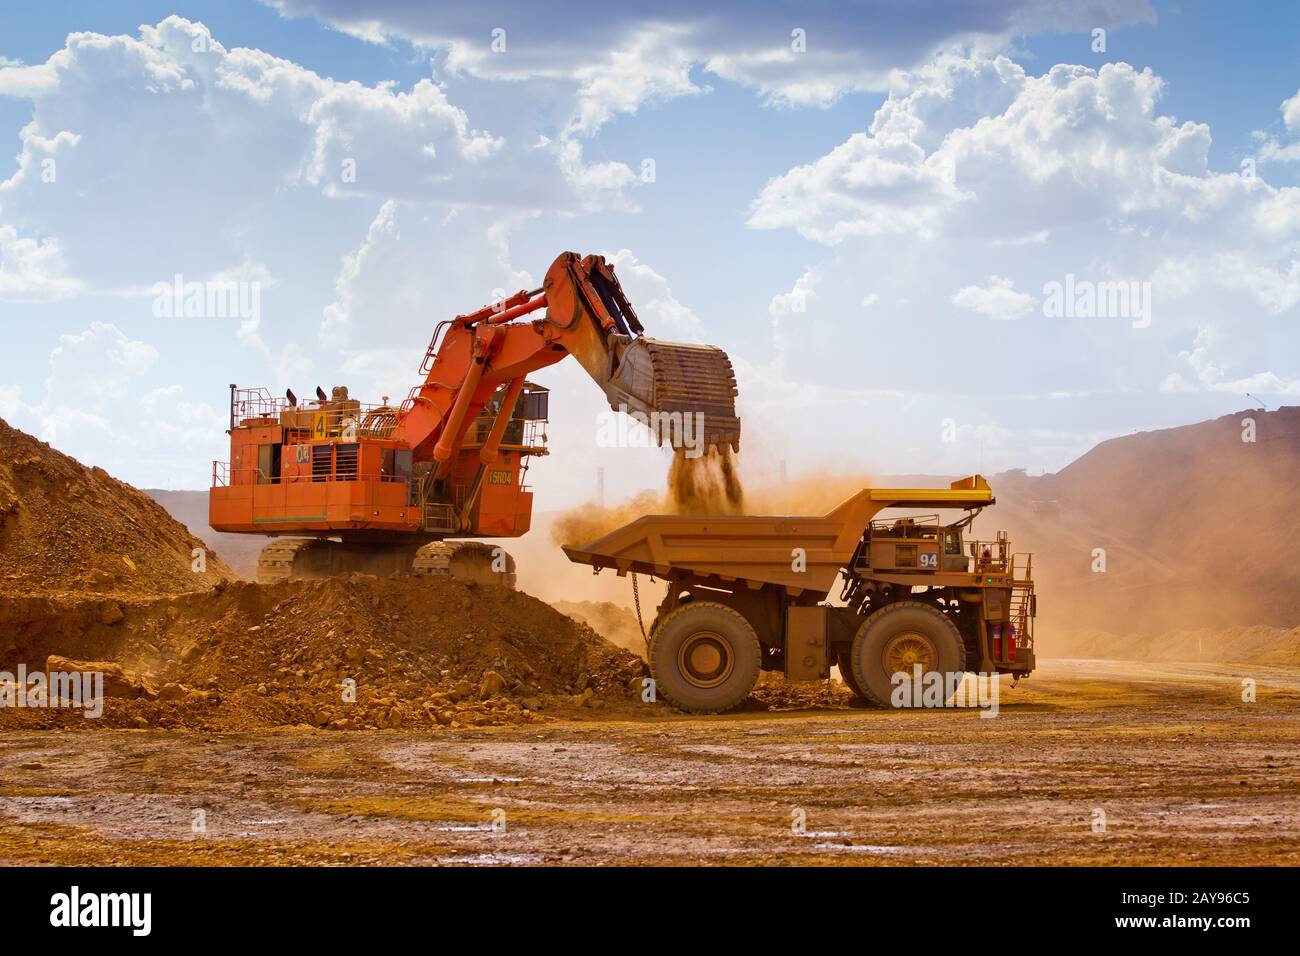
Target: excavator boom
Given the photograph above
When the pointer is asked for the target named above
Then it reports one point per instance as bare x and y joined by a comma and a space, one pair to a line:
686, 393
365, 487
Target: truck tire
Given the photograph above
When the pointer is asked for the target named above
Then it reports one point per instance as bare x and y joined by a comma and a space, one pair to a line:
843, 661
896, 638
704, 657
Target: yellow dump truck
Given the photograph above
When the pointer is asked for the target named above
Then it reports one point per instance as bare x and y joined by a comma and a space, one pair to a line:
748, 593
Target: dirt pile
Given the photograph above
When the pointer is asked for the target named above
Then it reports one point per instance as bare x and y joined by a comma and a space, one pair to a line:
611, 621
774, 693
66, 527
361, 652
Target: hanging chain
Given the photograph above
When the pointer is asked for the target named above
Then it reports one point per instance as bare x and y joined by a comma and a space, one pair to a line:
636, 597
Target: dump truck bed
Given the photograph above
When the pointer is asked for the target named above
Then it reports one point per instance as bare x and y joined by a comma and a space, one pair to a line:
760, 549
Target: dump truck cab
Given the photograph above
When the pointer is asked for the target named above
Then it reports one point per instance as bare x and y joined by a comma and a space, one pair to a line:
748, 593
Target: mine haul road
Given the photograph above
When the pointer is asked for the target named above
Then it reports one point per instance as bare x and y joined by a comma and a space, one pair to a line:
1183, 770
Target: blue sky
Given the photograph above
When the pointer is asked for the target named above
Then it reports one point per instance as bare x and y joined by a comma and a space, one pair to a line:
869, 226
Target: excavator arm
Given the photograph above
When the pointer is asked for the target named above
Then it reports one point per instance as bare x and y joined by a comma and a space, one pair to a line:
689, 390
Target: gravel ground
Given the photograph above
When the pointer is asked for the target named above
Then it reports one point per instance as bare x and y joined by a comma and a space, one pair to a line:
1178, 767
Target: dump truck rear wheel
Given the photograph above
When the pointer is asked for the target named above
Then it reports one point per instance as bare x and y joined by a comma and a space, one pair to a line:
897, 638
704, 657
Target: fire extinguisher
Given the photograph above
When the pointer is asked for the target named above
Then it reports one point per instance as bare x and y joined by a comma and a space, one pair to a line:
1011, 642
997, 642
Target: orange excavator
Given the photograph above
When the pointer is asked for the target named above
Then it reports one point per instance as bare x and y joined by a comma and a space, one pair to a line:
342, 486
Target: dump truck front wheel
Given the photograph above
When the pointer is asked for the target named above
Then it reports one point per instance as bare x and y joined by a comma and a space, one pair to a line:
898, 638
704, 657
844, 660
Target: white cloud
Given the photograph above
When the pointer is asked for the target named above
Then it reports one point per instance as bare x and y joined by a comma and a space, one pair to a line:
387, 293
662, 314
1291, 113
976, 146
94, 368
173, 154
794, 302
974, 150
1210, 375
94, 374
1273, 150
651, 68
998, 299
641, 56
32, 269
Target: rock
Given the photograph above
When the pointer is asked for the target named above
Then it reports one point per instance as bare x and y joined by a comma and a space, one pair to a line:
190, 652
173, 691
101, 581
118, 681
354, 655
111, 613
491, 684
531, 703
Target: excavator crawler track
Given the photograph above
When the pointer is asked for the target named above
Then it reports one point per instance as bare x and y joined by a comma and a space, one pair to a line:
469, 561
287, 558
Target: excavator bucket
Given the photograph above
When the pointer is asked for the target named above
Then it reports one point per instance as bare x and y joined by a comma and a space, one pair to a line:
692, 389
686, 392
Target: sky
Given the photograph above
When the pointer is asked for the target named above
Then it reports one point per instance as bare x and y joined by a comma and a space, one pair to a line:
934, 238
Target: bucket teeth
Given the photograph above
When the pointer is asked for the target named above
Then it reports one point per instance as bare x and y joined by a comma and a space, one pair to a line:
674, 378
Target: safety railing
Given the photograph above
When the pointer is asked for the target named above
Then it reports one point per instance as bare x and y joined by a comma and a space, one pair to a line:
911, 526
223, 476
344, 419
254, 403
993, 555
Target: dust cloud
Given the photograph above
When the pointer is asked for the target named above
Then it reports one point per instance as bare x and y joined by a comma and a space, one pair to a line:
705, 484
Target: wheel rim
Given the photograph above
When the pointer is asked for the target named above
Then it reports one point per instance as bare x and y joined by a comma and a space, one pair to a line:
706, 659
904, 651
